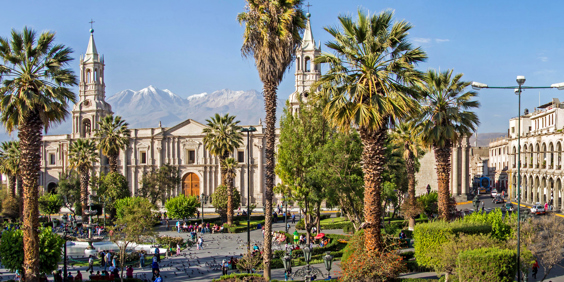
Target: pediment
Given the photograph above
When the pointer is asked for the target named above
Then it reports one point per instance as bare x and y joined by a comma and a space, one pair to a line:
185, 128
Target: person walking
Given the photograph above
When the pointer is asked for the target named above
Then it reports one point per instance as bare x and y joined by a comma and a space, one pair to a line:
90, 263
482, 206
535, 269
293, 218
158, 254
142, 259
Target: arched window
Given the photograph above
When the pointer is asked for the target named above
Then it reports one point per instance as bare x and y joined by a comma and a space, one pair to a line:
88, 76
298, 63
307, 64
96, 77
86, 126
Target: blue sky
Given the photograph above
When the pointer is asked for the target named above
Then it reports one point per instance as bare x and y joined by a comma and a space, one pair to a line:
191, 47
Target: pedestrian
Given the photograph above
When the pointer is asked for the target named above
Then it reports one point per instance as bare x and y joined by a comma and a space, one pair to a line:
535, 269
158, 277
545, 207
178, 226
223, 268
158, 254
177, 249
198, 213
78, 276
482, 206
293, 218
155, 266
142, 259
129, 272
90, 263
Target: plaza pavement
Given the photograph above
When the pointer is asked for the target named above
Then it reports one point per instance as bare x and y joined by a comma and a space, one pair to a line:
198, 265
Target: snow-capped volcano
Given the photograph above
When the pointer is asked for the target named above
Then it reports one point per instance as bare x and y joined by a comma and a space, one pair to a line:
148, 106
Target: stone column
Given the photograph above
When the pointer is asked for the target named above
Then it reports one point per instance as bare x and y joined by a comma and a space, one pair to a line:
465, 166
455, 171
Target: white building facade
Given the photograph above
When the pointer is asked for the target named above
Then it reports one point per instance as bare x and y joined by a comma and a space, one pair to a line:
541, 154
180, 145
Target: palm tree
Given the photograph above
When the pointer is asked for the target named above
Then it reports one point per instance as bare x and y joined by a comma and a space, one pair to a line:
113, 136
228, 166
272, 35
447, 116
34, 96
10, 155
222, 137
367, 87
407, 135
82, 155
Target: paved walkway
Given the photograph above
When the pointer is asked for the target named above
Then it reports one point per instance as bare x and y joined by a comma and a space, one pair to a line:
199, 265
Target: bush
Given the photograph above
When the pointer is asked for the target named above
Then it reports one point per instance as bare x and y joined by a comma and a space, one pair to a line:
487, 264
182, 206
338, 214
240, 277
429, 236
12, 254
361, 265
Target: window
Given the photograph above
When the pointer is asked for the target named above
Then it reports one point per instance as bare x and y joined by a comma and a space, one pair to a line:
52, 160
241, 156
307, 64
143, 157
191, 156
513, 129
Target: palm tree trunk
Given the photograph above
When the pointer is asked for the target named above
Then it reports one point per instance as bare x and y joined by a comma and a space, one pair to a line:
410, 167
84, 178
442, 156
373, 159
20, 193
113, 160
269, 134
30, 144
230, 201
12, 180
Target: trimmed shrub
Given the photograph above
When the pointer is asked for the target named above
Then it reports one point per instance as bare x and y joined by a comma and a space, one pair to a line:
240, 276
429, 236
487, 264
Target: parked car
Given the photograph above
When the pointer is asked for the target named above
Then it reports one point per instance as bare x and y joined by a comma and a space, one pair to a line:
498, 200
494, 193
509, 207
538, 209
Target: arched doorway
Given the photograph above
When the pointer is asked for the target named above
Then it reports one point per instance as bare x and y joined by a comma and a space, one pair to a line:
52, 187
191, 184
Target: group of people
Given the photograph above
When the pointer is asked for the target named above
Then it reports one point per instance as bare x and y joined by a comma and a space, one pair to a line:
58, 276
201, 228
226, 265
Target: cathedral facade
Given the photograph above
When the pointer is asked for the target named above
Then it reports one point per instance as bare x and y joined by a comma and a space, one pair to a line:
180, 145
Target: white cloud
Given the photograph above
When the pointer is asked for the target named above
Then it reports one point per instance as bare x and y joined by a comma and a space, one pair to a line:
438, 40
543, 59
421, 40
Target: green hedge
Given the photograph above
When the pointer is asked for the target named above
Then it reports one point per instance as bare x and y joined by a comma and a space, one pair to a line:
429, 236
487, 264
236, 276
301, 225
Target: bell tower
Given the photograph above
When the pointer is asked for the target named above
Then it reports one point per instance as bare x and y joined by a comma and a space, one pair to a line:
92, 106
307, 72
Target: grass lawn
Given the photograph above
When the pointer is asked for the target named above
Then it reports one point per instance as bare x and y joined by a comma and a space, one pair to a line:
334, 220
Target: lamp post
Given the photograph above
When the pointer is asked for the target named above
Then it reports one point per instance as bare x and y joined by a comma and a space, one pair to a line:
328, 260
248, 130
307, 258
518, 89
65, 248
287, 261
286, 213
204, 200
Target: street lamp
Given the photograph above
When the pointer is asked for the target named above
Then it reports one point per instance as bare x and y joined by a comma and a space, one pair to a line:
65, 248
248, 130
518, 89
204, 200
328, 260
287, 261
